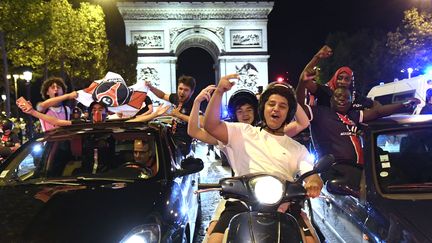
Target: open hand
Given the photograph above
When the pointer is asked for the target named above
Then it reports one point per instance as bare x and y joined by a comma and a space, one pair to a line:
162, 109
205, 94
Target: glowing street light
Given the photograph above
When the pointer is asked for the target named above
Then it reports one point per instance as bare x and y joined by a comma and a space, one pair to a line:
409, 70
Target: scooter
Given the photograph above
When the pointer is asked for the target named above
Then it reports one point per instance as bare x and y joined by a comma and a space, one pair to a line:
263, 194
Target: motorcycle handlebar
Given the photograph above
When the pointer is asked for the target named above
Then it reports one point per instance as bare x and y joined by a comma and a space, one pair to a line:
208, 187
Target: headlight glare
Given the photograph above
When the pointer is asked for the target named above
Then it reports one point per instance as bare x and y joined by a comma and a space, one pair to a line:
148, 233
267, 189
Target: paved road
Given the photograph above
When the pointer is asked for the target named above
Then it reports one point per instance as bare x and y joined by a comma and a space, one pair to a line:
211, 173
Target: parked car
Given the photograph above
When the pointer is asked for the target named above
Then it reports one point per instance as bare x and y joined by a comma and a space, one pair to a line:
82, 183
392, 201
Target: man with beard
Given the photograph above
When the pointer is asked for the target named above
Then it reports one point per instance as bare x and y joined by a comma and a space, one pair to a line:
181, 99
334, 129
51, 88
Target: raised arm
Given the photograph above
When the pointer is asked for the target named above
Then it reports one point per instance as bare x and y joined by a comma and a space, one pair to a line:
301, 91
28, 109
143, 118
212, 122
386, 110
323, 53
301, 122
194, 130
159, 93
42, 106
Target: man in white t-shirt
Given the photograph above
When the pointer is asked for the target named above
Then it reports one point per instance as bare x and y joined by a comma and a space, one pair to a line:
264, 148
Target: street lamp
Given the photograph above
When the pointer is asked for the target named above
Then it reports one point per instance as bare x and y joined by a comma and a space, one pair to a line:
27, 75
410, 70
3, 97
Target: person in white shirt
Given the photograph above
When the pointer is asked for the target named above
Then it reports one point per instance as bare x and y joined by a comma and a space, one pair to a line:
265, 148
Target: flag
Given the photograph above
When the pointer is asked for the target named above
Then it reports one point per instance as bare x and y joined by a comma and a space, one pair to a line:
113, 92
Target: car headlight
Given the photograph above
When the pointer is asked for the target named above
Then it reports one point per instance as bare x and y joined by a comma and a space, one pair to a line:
147, 233
267, 189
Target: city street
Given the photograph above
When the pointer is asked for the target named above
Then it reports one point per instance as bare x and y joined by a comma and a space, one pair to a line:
212, 172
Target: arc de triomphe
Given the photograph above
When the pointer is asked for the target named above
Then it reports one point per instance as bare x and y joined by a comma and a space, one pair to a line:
233, 33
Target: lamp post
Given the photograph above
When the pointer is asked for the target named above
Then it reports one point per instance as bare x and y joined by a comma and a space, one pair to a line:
409, 70
27, 75
3, 97
16, 77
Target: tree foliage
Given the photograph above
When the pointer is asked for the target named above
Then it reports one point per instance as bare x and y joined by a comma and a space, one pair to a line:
411, 43
52, 37
123, 60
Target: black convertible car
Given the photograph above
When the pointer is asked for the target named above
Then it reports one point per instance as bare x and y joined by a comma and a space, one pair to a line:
82, 183
392, 200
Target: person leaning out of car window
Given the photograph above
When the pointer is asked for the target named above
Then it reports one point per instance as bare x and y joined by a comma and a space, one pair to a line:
334, 129
97, 113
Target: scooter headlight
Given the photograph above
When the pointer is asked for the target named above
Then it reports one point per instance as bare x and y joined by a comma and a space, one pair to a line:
267, 189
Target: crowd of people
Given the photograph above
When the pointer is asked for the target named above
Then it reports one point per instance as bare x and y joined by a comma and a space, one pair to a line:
257, 137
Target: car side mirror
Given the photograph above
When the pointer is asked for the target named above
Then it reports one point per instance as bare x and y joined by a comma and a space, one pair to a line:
341, 187
190, 165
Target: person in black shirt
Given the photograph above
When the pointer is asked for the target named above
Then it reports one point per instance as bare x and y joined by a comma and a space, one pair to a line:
97, 113
427, 108
334, 129
181, 99
343, 77
148, 107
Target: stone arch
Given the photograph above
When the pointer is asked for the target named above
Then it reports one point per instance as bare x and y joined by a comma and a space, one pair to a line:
198, 37
233, 33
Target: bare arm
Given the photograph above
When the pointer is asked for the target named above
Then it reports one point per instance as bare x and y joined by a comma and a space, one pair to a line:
42, 106
212, 123
385, 110
50, 119
194, 128
143, 118
324, 52
301, 122
159, 93
150, 110
301, 91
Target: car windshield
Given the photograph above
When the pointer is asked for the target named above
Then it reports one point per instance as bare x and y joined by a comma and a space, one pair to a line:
89, 156
404, 161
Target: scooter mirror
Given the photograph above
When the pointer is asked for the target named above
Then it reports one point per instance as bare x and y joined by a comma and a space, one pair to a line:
324, 163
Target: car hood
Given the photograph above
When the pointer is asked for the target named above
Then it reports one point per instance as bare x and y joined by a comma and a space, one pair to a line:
102, 212
413, 216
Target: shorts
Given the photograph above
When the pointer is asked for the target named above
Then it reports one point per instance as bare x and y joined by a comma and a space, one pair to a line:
236, 207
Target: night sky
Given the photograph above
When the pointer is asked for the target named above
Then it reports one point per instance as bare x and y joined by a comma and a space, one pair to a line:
297, 29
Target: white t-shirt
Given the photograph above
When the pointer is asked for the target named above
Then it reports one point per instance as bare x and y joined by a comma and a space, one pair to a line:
250, 149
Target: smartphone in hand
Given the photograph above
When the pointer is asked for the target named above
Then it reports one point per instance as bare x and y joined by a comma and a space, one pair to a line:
23, 104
